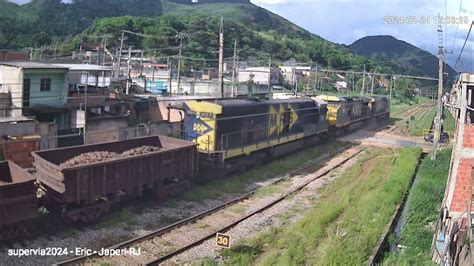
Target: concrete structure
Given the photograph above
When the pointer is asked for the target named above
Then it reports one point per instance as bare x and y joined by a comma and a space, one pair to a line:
260, 75
91, 75
340, 85
210, 73
292, 74
34, 85
450, 246
10, 56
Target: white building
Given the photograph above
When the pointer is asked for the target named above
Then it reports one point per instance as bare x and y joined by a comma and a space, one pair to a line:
92, 75
260, 75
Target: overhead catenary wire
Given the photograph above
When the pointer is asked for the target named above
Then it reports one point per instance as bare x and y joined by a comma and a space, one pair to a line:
464, 45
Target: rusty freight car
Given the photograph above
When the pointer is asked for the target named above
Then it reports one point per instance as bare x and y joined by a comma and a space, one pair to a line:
18, 202
87, 180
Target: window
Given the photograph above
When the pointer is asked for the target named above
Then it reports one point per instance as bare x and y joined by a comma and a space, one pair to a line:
26, 92
45, 84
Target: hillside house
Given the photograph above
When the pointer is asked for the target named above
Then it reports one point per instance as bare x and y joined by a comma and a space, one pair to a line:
260, 75
36, 89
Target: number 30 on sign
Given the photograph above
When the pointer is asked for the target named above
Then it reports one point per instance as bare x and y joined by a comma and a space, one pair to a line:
223, 240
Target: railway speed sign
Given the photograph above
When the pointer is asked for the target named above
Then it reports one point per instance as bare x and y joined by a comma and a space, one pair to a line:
223, 240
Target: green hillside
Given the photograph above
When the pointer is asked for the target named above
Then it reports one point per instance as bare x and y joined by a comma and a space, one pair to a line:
260, 34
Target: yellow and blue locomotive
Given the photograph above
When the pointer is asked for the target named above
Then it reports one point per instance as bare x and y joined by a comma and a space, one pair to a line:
236, 133
233, 134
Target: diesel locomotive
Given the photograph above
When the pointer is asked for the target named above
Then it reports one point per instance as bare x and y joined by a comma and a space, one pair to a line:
233, 134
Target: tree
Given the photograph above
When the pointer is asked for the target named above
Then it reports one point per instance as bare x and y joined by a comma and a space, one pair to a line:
41, 39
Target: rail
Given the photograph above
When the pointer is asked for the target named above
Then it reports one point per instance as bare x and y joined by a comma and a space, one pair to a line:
267, 206
161, 231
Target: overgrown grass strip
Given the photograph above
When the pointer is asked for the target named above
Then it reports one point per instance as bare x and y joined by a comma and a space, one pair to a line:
423, 205
345, 223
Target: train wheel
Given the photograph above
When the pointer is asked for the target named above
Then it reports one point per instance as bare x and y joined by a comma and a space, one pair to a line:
87, 214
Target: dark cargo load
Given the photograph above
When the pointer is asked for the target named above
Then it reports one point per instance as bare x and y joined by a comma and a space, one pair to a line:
130, 167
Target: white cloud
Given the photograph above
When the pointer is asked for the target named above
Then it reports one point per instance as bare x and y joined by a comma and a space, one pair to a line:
269, 2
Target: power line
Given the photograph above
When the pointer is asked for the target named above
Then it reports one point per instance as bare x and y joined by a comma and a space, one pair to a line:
457, 28
465, 41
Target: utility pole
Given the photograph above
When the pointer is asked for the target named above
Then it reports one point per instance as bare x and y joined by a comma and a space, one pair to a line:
316, 79
439, 114
181, 37
233, 68
141, 64
392, 85
171, 75
120, 55
105, 53
269, 74
129, 61
372, 89
363, 83
293, 69
221, 57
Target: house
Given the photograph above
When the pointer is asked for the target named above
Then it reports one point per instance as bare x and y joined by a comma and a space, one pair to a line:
210, 73
36, 89
87, 74
260, 75
293, 73
340, 85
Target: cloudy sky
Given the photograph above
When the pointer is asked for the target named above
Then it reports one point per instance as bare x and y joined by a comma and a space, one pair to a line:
345, 21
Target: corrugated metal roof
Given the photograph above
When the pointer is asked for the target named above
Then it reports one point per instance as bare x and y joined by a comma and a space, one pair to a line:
15, 119
85, 67
33, 65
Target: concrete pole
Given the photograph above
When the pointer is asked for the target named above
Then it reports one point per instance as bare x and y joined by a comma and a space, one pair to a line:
233, 68
119, 58
269, 75
363, 83
439, 113
316, 79
180, 36
221, 57
372, 89
127, 89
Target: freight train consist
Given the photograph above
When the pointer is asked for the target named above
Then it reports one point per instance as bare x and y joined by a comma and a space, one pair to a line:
222, 136
234, 134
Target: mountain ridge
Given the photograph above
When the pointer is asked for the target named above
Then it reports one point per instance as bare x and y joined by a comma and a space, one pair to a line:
387, 47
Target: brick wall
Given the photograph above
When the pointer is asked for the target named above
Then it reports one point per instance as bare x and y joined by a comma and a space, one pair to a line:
462, 189
468, 136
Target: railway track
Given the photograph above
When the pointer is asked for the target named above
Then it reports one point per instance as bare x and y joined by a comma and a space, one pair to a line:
155, 248
407, 114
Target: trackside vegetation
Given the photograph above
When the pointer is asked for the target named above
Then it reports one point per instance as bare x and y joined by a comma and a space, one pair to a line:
423, 122
423, 205
345, 222
239, 183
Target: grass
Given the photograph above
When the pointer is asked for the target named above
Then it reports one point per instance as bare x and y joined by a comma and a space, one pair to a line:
449, 123
345, 223
398, 106
424, 122
238, 183
423, 205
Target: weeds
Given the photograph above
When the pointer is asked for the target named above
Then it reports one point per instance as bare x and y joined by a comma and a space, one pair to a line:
345, 222
423, 204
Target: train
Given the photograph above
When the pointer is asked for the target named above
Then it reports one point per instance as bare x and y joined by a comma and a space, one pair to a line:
221, 137
235, 134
